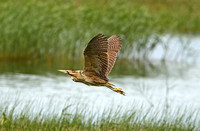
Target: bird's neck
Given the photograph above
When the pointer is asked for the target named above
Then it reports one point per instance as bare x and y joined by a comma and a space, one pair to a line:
77, 76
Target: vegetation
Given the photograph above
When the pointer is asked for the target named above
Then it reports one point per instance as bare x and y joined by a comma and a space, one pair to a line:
81, 119
48, 30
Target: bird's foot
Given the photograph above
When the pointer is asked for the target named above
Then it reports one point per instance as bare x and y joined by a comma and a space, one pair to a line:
119, 90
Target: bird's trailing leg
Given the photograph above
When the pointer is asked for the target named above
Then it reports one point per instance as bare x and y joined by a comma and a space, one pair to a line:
118, 90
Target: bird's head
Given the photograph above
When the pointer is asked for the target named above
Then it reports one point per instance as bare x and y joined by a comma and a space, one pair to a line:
69, 72
74, 74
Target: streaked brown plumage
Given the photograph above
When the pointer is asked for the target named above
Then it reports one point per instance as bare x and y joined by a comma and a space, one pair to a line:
100, 56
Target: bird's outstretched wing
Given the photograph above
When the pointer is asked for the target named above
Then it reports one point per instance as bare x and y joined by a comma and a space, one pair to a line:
100, 55
96, 58
114, 45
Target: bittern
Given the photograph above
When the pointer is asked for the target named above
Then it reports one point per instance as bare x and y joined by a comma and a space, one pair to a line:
100, 56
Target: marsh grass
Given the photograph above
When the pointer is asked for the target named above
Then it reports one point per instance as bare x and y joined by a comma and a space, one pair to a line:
61, 29
80, 118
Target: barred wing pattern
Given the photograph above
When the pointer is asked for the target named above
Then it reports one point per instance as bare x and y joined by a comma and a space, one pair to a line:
100, 55
96, 58
114, 45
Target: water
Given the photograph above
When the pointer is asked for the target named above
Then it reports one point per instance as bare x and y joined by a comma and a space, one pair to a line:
175, 85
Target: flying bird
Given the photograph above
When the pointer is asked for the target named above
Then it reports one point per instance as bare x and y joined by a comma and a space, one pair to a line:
100, 56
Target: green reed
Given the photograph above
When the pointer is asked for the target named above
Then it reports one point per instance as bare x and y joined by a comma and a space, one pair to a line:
37, 29
82, 119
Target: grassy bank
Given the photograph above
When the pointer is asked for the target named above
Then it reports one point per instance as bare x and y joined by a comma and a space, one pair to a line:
52, 29
109, 120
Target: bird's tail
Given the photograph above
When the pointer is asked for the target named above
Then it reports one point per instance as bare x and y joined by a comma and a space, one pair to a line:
118, 90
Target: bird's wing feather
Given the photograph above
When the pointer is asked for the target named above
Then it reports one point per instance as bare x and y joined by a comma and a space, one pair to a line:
96, 57
100, 54
114, 45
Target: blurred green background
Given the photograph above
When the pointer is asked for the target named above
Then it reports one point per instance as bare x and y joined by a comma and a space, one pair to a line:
57, 31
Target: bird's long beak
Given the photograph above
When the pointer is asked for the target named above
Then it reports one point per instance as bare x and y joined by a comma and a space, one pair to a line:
64, 71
